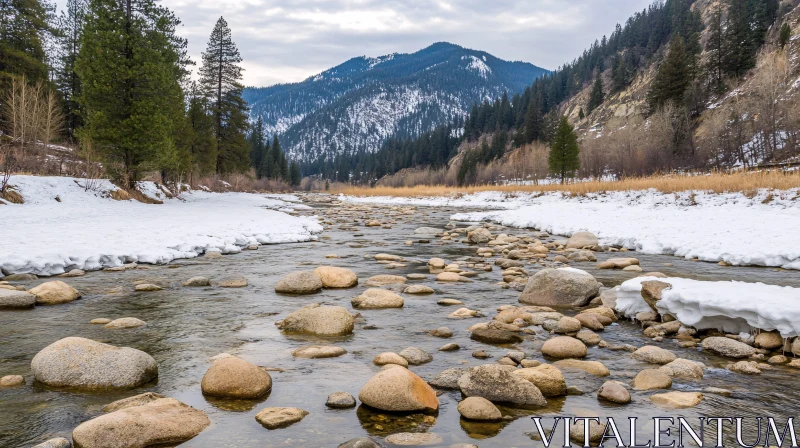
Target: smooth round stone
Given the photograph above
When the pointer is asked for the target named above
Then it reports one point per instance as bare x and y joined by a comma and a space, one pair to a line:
340, 400
319, 351
274, 418
125, 322
100, 321
12, 380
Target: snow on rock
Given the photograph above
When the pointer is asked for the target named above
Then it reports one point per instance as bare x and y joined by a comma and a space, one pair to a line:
760, 231
88, 230
730, 306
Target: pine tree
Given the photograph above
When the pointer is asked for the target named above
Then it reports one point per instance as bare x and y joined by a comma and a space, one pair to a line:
673, 77
295, 177
597, 95
533, 123
257, 141
67, 80
202, 143
220, 78
581, 115
564, 150
131, 64
739, 53
25, 25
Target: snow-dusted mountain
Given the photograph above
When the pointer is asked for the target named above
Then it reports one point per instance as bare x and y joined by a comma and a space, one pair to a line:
358, 104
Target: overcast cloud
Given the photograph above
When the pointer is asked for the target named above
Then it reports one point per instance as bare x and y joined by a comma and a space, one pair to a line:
289, 40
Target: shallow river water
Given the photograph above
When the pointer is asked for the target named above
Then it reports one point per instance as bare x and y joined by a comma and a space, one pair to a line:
187, 326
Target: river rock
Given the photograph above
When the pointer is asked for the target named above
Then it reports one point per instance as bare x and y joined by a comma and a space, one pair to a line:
651, 292
609, 298
12, 381
463, 313
479, 408
273, 418
588, 337
649, 379
87, 364
614, 392
233, 282
384, 279
448, 277
375, 298
100, 321
580, 255
360, 442
336, 277
147, 287
441, 332
567, 325
414, 439
387, 257
162, 422
590, 321
728, 347
437, 263
54, 292
577, 431
136, 400
58, 442
197, 281
319, 351
319, 320
125, 322
235, 378
479, 236
617, 263
683, 369
564, 347
11, 299
418, 289
653, 355
340, 400
390, 358
415, 356
398, 390
579, 240
677, 400
495, 336
498, 384
300, 282
448, 379
596, 368
20, 277
547, 378
769, 340
564, 287
428, 231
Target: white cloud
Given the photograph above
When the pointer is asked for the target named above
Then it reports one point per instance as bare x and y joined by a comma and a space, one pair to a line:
289, 40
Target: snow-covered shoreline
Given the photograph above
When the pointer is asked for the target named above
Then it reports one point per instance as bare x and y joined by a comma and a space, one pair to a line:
88, 230
763, 230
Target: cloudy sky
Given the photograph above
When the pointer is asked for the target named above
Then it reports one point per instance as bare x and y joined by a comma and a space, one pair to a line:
289, 40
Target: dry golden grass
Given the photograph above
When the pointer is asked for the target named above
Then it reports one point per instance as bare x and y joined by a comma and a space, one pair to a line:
745, 182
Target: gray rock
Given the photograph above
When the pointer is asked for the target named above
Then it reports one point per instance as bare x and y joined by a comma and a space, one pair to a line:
498, 384
448, 379
10, 299
87, 364
319, 320
566, 287
728, 347
197, 281
273, 418
58, 442
300, 282
493, 336
415, 356
579, 240
136, 400
340, 400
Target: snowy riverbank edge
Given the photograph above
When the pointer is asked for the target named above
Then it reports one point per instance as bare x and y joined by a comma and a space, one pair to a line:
86, 229
759, 230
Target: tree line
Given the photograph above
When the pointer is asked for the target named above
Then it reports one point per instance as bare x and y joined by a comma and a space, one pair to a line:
119, 75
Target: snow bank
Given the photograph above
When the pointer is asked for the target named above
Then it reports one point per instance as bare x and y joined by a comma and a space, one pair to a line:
733, 307
484, 199
88, 230
710, 227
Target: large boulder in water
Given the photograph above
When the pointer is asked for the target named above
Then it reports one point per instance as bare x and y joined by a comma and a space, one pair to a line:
479, 235
163, 422
579, 240
54, 292
728, 347
301, 282
233, 377
565, 287
87, 364
375, 298
547, 378
336, 277
319, 320
11, 299
498, 384
398, 389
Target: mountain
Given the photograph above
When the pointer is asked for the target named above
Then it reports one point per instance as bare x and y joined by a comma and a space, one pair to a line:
357, 105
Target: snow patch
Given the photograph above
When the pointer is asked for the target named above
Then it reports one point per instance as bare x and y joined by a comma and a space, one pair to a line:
729, 306
85, 229
477, 65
